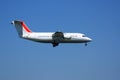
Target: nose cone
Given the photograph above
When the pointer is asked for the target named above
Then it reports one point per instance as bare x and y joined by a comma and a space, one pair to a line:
88, 39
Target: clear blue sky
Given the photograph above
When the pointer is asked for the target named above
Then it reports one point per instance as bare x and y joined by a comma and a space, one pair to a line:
26, 60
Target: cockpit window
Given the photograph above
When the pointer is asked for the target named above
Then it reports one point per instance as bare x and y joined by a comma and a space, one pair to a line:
83, 36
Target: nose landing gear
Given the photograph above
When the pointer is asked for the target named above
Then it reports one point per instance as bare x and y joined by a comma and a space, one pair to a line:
86, 44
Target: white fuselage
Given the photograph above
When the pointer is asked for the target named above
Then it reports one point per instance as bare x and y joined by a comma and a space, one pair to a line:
49, 37
46, 37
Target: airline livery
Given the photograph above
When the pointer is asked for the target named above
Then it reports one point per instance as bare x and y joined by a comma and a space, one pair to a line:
49, 37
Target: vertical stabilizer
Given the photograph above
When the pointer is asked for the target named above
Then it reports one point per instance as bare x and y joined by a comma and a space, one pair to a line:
21, 28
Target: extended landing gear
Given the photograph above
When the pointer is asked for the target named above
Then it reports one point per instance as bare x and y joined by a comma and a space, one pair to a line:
55, 44
86, 44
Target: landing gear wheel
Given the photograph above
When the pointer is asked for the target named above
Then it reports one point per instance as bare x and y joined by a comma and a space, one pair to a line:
55, 44
86, 44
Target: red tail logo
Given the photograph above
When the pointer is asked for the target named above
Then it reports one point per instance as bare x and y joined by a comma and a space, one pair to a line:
25, 27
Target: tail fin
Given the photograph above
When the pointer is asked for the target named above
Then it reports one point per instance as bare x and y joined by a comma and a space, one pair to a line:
21, 28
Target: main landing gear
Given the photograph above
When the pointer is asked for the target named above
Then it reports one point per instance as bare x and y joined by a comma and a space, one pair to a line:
55, 44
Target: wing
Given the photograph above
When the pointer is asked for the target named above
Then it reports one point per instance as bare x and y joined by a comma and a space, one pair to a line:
57, 37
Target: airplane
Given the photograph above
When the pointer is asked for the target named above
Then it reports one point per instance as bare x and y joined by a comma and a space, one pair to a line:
49, 37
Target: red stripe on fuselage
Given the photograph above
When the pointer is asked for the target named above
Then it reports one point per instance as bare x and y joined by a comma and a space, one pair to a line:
25, 27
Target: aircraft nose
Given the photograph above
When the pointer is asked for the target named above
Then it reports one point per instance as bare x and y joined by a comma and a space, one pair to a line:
89, 39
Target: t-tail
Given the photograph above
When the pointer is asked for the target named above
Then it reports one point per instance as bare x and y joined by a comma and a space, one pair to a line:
21, 28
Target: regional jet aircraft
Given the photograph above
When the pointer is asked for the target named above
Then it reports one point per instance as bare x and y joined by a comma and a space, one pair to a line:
49, 37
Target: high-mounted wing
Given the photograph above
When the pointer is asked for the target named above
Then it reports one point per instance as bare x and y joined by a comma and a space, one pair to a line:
57, 37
